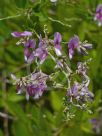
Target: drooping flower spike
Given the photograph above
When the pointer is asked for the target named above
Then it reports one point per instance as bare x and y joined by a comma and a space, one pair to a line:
35, 84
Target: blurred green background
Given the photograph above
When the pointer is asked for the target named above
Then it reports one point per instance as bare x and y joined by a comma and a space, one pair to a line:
45, 116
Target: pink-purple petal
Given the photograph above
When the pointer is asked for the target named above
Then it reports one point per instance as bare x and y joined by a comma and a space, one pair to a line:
21, 34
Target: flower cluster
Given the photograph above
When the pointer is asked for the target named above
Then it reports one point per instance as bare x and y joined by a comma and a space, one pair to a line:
35, 84
75, 43
79, 95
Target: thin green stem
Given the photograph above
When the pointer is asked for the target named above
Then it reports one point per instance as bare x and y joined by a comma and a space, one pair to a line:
10, 17
58, 21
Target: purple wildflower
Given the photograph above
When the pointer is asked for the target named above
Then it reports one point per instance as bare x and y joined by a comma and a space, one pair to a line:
41, 52
79, 93
85, 95
27, 54
34, 85
21, 34
36, 90
29, 50
30, 44
57, 42
98, 14
72, 45
75, 43
72, 93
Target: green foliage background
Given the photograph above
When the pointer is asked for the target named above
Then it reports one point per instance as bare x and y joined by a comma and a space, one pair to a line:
45, 116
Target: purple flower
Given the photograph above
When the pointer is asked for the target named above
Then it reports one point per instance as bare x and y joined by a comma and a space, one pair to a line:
30, 44
98, 14
79, 93
34, 85
29, 51
36, 90
38, 85
75, 43
72, 93
72, 45
85, 94
42, 42
21, 34
41, 52
26, 53
57, 42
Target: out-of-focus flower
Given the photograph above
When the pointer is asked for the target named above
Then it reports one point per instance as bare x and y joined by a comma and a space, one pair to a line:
87, 46
57, 42
29, 51
34, 85
75, 43
98, 14
72, 45
95, 125
53, 0
21, 34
